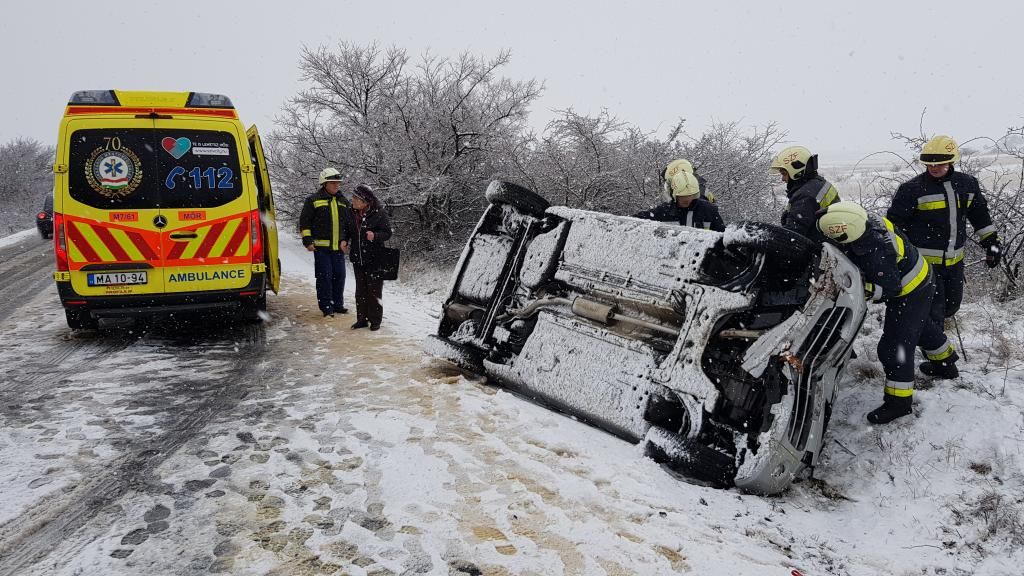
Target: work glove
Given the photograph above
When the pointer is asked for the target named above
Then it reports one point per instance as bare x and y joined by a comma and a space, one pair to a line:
870, 290
993, 253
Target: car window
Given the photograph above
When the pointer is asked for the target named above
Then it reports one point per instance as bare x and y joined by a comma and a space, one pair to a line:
198, 168
113, 168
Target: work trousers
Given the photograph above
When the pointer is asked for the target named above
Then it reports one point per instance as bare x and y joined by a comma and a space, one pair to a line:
369, 292
330, 279
909, 322
949, 288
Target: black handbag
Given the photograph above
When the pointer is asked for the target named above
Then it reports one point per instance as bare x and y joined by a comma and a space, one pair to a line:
387, 263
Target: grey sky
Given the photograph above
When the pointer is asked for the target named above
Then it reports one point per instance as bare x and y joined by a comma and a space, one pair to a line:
837, 76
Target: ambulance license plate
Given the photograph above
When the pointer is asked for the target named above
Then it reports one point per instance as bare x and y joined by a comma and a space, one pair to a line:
114, 278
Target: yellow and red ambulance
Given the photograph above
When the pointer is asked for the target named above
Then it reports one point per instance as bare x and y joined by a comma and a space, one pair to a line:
162, 204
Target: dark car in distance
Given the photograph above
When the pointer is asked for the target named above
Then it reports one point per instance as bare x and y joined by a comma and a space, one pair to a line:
44, 218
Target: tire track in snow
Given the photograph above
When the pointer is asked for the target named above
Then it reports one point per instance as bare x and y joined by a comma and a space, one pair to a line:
24, 270
29, 538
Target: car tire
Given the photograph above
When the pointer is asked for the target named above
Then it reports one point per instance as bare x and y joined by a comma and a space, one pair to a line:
523, 199
80, 320
784, 247
689, 458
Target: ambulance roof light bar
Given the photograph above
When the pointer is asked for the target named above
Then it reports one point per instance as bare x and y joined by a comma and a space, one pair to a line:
94, 98
208, 100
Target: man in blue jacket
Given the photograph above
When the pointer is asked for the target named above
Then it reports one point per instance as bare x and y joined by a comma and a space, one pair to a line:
933, 209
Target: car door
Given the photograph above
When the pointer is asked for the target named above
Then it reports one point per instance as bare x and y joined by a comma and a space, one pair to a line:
110, 206
268, 215
206, 242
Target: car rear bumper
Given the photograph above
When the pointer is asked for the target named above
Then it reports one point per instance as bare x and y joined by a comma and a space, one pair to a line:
163, 304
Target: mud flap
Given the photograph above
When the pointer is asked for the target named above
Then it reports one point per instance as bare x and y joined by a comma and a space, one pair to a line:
689, 458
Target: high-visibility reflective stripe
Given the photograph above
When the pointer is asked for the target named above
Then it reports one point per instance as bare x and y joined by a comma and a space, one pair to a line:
897, 242
987, 231
320, 203
826, 194
899, 389
915, 277
321, 242
952, 201
707, 225
930, 198
689, 218
938, 256
937, 205
307, 232
940, 353
335, 232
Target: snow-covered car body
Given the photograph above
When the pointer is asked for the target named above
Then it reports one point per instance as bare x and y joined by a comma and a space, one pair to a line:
720, 352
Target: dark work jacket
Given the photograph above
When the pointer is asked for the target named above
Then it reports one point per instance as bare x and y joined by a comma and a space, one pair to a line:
934, 214
806, 196
700, 214
362, 252
325, 220
889, 263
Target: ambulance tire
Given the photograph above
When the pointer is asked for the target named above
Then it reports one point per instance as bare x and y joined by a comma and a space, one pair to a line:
80, 320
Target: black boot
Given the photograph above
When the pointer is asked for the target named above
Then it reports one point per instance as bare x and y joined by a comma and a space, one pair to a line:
892, 407
944, 370
360, 324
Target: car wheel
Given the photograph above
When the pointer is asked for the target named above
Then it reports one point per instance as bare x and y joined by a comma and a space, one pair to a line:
462, 356
523, 199
689, 458
783, 247
80, 320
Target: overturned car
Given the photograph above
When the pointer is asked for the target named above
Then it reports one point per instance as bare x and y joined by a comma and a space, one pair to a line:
719, 352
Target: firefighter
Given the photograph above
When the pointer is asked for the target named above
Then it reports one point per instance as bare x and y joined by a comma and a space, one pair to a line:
675, 166
686, 207
895, 273
934, 208
324, 220
806, 191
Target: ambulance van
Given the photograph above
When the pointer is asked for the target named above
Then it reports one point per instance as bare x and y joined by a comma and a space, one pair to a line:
162, 205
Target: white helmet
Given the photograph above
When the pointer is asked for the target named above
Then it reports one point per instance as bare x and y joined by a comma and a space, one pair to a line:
843, 222
329, 175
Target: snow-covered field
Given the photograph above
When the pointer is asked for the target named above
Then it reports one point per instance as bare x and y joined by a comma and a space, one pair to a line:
352, 452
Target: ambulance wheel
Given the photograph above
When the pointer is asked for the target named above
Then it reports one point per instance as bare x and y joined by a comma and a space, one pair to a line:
80, 320
523, 199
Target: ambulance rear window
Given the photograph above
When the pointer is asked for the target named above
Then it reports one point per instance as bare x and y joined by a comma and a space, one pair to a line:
137, 168
198, 168
114, 168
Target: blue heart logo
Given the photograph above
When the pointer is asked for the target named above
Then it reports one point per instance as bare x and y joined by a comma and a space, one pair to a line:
176, 148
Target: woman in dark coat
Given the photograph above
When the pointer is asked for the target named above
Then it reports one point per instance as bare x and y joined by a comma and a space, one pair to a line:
372, 229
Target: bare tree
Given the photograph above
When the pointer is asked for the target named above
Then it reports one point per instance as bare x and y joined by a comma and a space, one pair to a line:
25, 177
427, 136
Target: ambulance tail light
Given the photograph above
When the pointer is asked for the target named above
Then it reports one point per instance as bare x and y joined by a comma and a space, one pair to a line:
60, 243
256, 236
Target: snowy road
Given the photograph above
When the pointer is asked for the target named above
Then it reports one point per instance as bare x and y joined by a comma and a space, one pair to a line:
302, 447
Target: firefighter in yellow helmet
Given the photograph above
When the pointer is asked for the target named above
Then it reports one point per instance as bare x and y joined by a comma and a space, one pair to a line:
894, 273
324, 221
682, 165
933, 208
686, 208
806, 190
